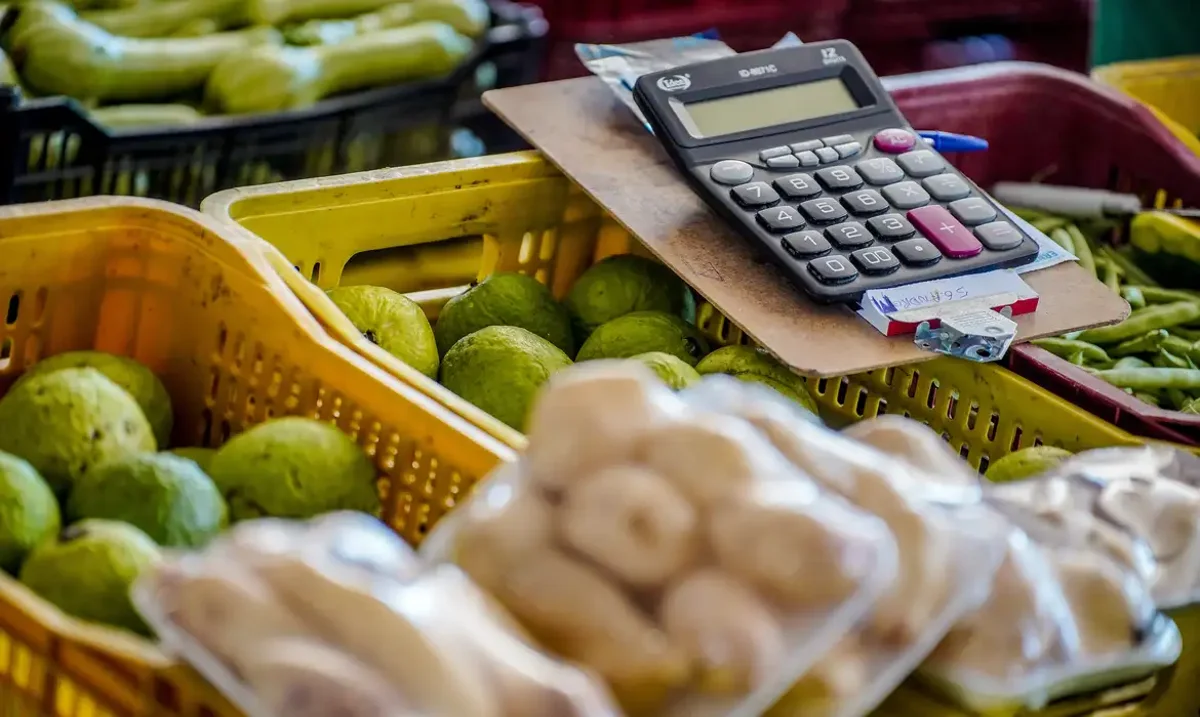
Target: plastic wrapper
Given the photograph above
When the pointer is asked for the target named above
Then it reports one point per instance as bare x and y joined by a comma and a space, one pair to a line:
1140, 505
672, 551
950, 543
1066, 616
336, 617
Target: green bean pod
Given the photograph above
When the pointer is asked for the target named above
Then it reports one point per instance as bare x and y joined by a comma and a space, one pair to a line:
1131, 362
1134, 274
1083, 248
1152, 379
1134, 295
1147, 343
1111, 274
1144, 397
1066, 348
1159, 295
1063, 238
1161, 316
1166, 359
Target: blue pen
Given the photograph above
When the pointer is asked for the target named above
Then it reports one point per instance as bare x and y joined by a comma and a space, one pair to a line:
951, 142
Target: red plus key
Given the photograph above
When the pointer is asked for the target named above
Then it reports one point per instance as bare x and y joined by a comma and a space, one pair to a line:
946, 233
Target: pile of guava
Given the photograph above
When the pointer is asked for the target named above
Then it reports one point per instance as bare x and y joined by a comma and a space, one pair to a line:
91, 489
496, 343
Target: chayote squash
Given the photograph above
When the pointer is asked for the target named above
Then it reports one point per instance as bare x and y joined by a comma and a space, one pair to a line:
467, 17
271, 79
77, 59
166, 18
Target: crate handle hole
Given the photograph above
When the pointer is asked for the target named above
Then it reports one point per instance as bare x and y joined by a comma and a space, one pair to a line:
860, 406
983, 463
6, 352
881, 409
972, 415
912, 384
14, 309
993, 426
1016, 440
316, 272
843, 387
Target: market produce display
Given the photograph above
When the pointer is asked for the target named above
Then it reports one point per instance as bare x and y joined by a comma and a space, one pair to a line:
503, 337
90, 500
1154, 353
177, 61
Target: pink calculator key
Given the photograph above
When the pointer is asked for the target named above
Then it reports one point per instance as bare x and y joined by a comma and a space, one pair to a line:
947, 233
894, 141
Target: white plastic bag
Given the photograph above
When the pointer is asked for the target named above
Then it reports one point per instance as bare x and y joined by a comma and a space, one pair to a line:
336, 616
672, 551
950, 545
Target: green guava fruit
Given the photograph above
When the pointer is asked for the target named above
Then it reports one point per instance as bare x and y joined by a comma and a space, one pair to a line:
500, 369
625, 284
67, 422
141, 383
1026, 463
294, 468
28, 511
391, 321
757, 366
167, 497
645, 332
505, 299
88, 569
200, 456
673, 371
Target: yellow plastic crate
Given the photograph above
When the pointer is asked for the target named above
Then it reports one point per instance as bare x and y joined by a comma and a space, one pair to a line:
1170, 87
160, 284
429, 231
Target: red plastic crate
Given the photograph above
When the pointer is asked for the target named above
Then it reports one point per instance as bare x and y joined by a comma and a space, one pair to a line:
895, 20
749, 25
1050, 125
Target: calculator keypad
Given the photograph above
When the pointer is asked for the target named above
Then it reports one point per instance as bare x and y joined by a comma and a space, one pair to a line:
854, 220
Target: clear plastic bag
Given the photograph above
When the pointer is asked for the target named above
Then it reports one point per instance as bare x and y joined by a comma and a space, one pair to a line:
1141, 505
1066, 617
672, 551
950, 544
336, 616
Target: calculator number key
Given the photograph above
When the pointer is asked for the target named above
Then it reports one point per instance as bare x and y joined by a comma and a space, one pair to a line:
780, 219
946, 187
880, 171
833, 269
823, 210
806, 244
865, 202
797, 186
755, 194
839, 178
921, 163
849, 235
917, 252
973, 211
875, 260
999, 236
906, 195
891, 227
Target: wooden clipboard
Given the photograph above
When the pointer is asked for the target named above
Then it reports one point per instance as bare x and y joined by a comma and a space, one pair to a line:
597, 142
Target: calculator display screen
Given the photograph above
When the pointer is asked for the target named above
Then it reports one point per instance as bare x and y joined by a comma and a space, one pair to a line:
768, 108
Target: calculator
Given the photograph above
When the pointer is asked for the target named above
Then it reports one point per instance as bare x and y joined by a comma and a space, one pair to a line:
803, 150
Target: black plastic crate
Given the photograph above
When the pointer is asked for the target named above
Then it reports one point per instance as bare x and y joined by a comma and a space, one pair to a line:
57, 152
